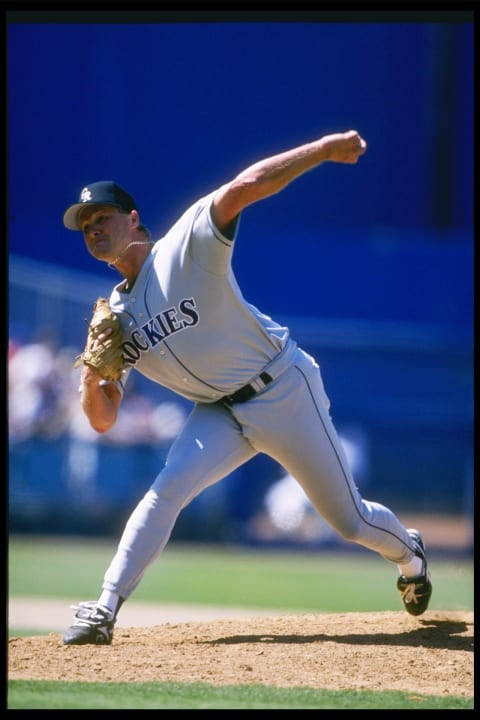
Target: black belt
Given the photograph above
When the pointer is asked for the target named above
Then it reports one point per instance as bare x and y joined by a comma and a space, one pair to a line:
246, 392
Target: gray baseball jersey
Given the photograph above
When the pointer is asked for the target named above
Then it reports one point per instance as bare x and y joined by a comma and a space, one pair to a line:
188, 327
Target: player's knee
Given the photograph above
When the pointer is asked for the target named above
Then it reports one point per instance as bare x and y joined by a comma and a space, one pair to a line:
350, 531
170, 489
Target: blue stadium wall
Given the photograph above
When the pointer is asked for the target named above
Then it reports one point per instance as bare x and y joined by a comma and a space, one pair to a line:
370, 265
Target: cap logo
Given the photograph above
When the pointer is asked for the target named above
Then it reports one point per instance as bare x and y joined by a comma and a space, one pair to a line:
85, 195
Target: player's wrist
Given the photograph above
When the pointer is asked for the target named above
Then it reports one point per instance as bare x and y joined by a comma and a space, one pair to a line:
91, 379
100, 384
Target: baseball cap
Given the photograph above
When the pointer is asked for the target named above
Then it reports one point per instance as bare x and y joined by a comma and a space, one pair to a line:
104, 192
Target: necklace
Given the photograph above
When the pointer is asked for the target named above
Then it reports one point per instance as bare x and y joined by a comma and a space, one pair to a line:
134, 242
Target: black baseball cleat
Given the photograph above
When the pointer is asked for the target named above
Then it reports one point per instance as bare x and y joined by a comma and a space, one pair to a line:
93, 626
416, 591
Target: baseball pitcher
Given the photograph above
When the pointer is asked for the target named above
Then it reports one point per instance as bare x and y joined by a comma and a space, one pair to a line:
178, 317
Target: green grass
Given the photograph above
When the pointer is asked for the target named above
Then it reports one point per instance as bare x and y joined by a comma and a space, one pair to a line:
52, 695
73, 568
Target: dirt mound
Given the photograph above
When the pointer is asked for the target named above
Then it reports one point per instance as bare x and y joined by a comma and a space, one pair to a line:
431, 655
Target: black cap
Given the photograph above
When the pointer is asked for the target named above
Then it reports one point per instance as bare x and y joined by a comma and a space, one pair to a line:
104, 192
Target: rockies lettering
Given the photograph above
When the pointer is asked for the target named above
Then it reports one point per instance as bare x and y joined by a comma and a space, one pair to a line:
158, 328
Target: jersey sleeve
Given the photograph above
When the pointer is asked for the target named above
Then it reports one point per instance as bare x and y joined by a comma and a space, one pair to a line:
210, 248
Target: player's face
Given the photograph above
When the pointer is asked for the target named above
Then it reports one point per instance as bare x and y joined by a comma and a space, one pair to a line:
105, 230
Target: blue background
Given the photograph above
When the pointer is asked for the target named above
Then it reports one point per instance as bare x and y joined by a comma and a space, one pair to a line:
371, 265
172, 110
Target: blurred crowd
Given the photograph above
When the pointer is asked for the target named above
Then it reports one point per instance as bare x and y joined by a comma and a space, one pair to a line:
57, 461
43, 401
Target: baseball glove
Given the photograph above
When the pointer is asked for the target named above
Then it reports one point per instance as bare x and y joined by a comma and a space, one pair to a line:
105, 356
